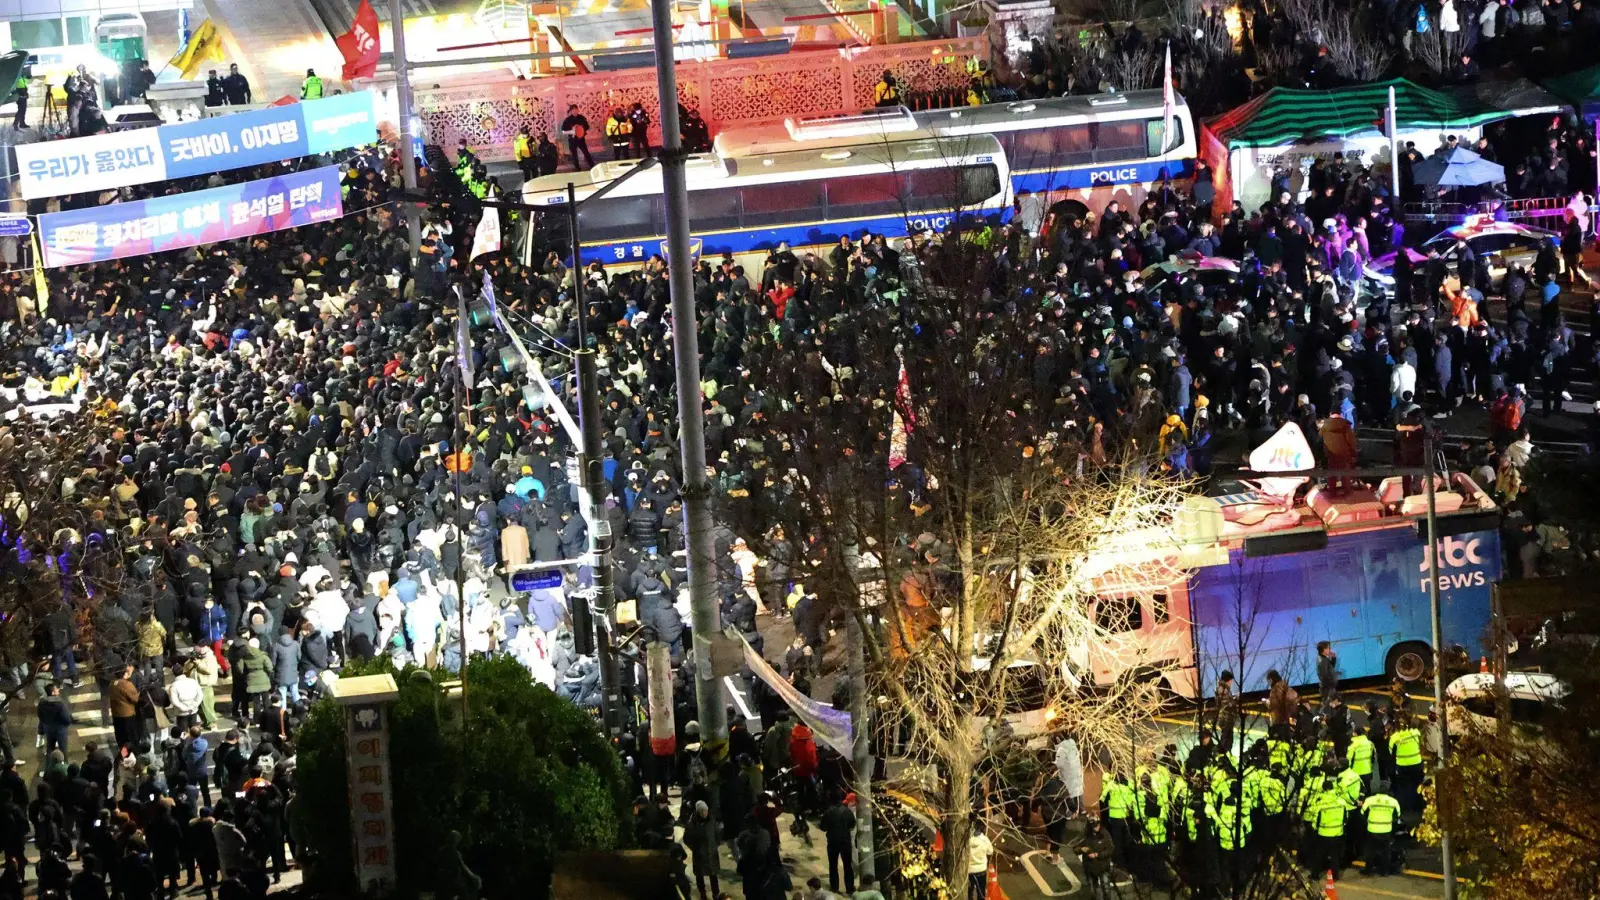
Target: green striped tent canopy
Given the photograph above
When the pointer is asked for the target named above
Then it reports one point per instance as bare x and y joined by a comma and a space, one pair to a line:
1294, 115
1581, 88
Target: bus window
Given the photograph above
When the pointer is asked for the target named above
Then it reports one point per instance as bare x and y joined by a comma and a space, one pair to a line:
714, 210
1158, 609
1153, 130
978, 183
945, 187
771, 204
1033, 149
864, 195
1074, 145
619, 218
1116, 141
1118, 614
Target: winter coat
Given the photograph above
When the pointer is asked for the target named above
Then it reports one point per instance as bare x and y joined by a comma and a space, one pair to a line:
185, 695
361, 621
256, 670
700, 837
314, 652
285, 661
803, 752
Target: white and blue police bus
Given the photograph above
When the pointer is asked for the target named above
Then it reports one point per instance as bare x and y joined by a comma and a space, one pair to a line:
1079, 152
806, 197
1082, 151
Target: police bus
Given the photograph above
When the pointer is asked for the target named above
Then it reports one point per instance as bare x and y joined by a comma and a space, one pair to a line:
1078, 152
806, 198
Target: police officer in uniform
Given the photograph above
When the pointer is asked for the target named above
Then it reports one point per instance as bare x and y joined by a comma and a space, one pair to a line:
887, 91
1118, 800
19, 93
1405, 744
1381, 812
522, 152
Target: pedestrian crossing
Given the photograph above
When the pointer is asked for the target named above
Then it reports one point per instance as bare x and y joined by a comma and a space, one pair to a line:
92, 718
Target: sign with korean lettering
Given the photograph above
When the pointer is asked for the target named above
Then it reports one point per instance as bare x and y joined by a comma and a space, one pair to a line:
201, 147
103, 162
371, 800
188, 220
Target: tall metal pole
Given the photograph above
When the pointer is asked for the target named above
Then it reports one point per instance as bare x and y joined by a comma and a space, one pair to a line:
459, 438
861, 709
402, 93
1438, 653
691, 419
1391, 121
591, 470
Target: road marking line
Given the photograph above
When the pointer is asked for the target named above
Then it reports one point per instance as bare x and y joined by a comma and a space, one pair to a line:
1415, 873
1044, 888
1359, 887
738, 697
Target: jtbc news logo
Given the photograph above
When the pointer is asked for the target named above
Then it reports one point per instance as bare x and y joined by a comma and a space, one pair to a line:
1455, 554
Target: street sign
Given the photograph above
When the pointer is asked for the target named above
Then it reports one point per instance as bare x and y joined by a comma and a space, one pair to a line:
535, 581
15, 225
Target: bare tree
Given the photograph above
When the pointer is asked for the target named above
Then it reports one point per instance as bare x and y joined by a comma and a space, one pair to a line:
1230, 638
1441, 51
1131, 70
1356, 54
964, 542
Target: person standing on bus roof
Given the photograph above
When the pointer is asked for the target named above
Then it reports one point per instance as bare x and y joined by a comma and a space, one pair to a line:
1327, 671
576, 127
522, 152
311, 88
887, 90
639, 131
546, 155
617, 131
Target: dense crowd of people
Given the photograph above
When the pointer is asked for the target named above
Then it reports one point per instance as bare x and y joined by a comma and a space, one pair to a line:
297, 477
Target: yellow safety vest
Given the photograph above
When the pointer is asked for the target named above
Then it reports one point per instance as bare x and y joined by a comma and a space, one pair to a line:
1349, 784
1278, 752
618, 128
1119, 800
1361, 751
1232, 828
1270, 794
1381, 811
1327, 814
520, 149
311, 88
1406, 745
886, 93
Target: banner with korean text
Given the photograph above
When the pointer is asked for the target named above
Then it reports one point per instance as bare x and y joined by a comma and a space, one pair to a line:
105, 162
189, 220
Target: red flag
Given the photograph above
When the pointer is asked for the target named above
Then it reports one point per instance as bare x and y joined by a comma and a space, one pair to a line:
360, 44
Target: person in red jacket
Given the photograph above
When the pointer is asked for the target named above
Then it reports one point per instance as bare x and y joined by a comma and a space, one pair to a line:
780, 295
803, 752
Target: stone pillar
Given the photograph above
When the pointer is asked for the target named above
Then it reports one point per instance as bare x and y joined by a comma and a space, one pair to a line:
366, 701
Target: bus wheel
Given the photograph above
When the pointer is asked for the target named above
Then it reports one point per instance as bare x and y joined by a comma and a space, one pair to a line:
1067, 210
1409, 662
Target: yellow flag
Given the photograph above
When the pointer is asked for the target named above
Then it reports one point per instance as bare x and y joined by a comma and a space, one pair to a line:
40, 286
204, 44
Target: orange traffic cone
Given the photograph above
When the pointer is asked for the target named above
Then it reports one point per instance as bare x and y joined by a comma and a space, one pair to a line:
1329, 888
995, 893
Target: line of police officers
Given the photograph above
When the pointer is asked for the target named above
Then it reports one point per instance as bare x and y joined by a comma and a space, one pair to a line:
1212, 825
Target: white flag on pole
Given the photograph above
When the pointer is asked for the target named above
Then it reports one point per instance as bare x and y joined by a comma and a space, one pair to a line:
1169, 102
487, 237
